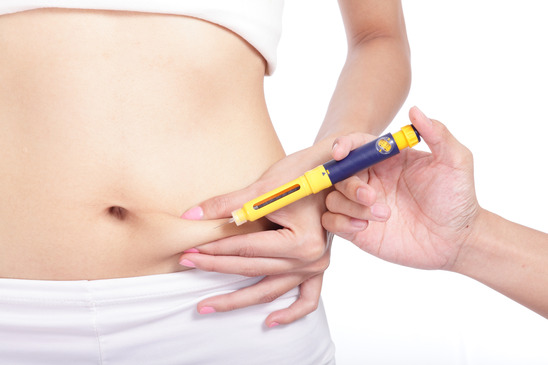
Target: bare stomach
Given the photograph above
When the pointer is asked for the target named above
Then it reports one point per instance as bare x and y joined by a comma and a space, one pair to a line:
112, 124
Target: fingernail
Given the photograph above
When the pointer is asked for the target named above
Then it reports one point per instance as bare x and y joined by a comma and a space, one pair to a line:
423, 115
380, 211
358, 223
191, 250
195, 213
206, 310
362, 195
273, 324
334, 149
187, 263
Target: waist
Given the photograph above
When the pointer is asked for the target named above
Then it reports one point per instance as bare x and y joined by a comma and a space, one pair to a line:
107, 141
190, 285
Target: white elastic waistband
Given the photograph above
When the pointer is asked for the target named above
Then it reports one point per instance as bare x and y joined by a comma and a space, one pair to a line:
193, 283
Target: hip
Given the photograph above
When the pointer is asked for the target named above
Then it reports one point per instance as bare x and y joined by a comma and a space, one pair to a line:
150, 320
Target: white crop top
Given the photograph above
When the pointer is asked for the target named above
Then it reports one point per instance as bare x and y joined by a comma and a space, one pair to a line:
259, 22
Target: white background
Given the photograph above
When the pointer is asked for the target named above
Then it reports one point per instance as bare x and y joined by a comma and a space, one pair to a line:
480, 67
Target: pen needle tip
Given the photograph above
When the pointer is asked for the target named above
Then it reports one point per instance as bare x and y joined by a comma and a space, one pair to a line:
231, 220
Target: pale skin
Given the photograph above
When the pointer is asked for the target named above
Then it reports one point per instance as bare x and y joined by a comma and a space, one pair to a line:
107, 133
372, 86
434, 220
99, 112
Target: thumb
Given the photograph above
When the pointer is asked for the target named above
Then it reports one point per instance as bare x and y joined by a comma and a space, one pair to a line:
443, 145
221, 206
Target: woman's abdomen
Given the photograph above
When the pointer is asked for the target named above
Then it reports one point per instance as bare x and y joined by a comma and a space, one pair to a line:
113, 124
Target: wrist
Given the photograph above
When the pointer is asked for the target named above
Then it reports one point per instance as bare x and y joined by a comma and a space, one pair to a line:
486, 250
509, 258
470, 250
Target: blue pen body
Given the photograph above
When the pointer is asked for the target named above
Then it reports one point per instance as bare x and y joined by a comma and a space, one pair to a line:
362, 157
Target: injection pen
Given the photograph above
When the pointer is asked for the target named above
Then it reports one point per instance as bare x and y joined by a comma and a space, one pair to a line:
328, 174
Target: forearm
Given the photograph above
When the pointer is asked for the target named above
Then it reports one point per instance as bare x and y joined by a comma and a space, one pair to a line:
372, 86
509, 258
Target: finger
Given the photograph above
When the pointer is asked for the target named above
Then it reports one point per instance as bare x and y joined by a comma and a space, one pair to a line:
343, 225
176, 234
338, 203
443, 145
344, 144
265, 291
278, 243
307, 303
281, 243
246, 266
356, 189
221, 206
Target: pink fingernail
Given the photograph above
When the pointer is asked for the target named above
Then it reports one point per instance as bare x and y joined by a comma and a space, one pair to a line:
187, 263
334, 149
195, 213
206, 310
191, 250
273, 324
358, 223
380, 211
363, 196
423, 115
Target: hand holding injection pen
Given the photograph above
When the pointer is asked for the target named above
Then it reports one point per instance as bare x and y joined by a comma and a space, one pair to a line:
327, 174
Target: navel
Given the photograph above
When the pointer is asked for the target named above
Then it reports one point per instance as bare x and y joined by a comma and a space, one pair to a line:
117, 212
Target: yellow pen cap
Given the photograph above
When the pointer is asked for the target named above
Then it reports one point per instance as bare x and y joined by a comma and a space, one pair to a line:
406, 137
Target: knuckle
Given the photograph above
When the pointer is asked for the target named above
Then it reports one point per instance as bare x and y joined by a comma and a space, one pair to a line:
468, 155
320, 243
208, 266
464, 156
318, 266
246, 251
353, 183
316, 251
438, 122
260, 186
230, 307
220, 205
323, 263
249, 271
309, 305
312, 250
269, 297
229, 303
442, 128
